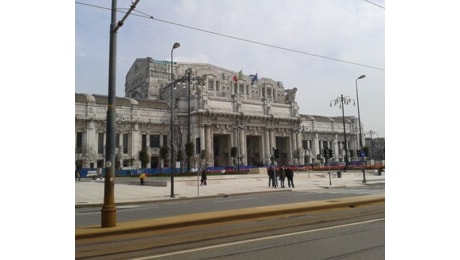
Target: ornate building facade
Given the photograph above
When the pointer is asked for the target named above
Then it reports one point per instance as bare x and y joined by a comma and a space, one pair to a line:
229, 117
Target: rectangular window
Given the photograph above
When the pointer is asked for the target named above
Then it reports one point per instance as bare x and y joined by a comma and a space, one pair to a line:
210, 84
144, 141
100, 143
305, 144
155, 141
197, 146
217, 86
125, 143
165, 140
117, 140
79, 144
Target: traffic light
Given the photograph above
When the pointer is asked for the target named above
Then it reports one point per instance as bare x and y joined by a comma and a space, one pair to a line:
330, 153
277, 153
324, 153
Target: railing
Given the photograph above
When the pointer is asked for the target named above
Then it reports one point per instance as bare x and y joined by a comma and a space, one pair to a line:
231, 169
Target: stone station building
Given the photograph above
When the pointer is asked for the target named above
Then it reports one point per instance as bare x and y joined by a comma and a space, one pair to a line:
232, 116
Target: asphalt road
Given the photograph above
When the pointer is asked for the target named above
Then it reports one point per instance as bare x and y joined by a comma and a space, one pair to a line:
92, 216
339, 233
359, 240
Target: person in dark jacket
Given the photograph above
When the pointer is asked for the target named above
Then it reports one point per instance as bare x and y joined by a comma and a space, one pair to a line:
282, 175
204, 177
290, 177
271, 177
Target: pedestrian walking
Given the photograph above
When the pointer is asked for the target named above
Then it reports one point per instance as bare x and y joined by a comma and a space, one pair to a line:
77, 175
282, 176
290, 177
204, 177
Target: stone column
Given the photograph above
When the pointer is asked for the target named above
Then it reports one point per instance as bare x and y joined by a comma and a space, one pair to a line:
91, 142
242, 146
202, 136
335, 147
299, 140
292, 147
267, 147
135, 144
315, 148
208, 144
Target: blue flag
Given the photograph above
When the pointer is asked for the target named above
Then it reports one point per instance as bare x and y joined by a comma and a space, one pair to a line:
253, 78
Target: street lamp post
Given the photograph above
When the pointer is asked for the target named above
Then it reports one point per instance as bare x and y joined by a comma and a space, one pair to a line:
109, 211
341, 101
238, 127
360, 134
171, 122
189, 71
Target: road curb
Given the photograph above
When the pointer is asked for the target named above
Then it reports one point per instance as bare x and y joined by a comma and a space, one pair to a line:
179, 198
223, 216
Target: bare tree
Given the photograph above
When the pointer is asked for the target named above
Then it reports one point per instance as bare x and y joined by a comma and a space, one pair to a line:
164, 154
180, 138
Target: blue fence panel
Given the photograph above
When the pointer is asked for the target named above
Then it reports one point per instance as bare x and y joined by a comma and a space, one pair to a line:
92, 172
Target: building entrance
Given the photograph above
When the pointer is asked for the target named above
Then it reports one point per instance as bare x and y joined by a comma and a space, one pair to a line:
221, 150
282, 143
254, 150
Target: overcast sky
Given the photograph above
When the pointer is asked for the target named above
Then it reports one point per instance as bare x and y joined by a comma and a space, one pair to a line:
319, 47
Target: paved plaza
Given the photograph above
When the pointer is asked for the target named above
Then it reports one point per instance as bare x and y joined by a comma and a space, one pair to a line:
128, 189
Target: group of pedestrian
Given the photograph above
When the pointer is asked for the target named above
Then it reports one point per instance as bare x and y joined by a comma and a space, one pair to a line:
282, 173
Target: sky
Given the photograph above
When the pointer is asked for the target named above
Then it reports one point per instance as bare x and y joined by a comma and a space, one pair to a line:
319, 47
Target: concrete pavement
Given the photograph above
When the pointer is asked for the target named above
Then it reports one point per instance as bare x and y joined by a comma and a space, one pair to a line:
91, 192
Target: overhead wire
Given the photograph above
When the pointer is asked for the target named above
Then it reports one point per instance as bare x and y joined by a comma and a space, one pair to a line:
375, 4
147, 16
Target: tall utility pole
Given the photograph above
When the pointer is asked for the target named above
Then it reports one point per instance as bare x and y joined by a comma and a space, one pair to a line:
188, 146
360, 134
171, 123
109, 212
237, 126
344, 134
343, 101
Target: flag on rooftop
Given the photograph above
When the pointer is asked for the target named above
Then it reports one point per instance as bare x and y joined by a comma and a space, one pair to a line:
253, 78
240, 74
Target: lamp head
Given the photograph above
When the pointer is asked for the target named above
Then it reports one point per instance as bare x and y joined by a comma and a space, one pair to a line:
176, 45
362, 76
